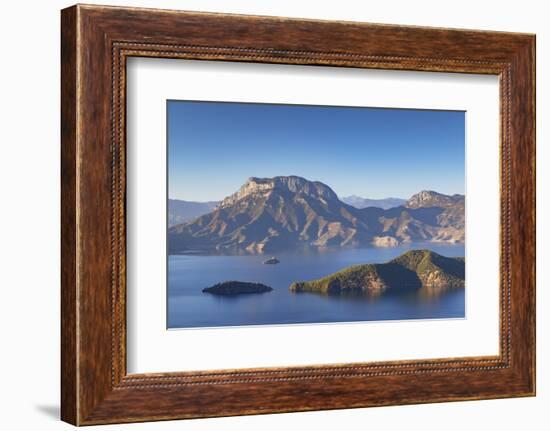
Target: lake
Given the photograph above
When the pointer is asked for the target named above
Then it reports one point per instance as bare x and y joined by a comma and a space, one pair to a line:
189, 307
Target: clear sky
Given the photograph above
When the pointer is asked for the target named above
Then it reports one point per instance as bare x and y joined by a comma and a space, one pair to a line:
213, 148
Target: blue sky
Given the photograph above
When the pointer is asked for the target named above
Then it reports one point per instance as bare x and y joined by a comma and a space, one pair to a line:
371, 152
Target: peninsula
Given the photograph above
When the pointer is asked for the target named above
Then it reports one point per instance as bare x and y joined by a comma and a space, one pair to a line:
415, 269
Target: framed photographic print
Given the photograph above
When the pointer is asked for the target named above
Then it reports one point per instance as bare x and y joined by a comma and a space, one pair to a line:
269, 215
256, 233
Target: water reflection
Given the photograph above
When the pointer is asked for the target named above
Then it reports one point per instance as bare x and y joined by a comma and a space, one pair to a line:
349, 295
431, 293
426, 294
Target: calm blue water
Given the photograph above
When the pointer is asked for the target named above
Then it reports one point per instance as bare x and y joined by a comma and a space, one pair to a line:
189, 307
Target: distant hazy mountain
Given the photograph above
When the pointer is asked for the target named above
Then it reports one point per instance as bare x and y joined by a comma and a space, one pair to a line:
414, 269
183, 211
359, 202
268, 214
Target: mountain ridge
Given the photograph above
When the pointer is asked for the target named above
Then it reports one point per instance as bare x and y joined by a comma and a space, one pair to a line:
270, 214
384, 203
430, 198
182, 211
291, 183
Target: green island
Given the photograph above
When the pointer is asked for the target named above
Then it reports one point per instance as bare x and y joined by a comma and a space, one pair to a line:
237, 288
413, 270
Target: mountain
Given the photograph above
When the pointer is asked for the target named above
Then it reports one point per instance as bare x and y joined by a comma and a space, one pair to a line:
414, 269
429, 198
386, 203
451, 220
273, 213
269, 214
182, 211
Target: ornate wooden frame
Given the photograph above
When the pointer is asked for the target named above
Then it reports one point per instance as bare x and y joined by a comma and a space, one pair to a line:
95, 42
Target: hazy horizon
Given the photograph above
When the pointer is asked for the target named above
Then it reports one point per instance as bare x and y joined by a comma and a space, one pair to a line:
374, 153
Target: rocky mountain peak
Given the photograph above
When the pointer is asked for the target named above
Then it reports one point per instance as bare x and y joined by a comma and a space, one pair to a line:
255, 186
429, 198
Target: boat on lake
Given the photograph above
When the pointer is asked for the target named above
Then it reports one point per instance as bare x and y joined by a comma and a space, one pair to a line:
271, 261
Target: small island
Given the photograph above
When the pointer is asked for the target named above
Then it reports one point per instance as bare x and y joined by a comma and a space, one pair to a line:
230, 288
412, 270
